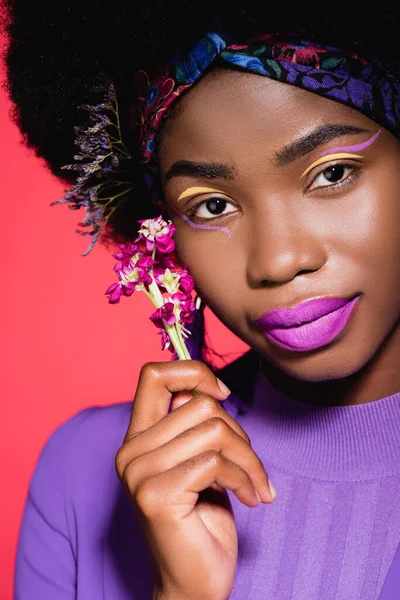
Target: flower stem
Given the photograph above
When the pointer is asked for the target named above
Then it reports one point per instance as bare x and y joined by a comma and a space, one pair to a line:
180, 349
173, 331
182, 342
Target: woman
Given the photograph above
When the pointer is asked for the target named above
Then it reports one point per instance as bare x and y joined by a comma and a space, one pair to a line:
271, 142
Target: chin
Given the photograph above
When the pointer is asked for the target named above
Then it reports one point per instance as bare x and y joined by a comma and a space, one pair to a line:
318, 365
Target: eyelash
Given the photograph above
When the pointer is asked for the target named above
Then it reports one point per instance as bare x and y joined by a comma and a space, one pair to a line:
355, 172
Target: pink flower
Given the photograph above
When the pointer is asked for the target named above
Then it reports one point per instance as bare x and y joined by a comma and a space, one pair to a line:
165, 243
157, 233
126, 251
116, 290
125, 256
131, 277
135, 268
165, 261
165, 341
150, 266
164, 314
145, 262
186, 281
186, 306
169, 281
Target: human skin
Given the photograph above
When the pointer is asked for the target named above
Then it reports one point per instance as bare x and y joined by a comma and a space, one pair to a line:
291, 239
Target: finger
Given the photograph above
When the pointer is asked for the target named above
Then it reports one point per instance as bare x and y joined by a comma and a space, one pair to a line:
192, 413
157, 383
214, 434
180, 398
180, 486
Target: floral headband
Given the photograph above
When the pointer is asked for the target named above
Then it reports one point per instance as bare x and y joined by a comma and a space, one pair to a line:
368, 87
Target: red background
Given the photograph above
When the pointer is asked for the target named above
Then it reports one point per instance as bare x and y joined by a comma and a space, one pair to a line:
63, 347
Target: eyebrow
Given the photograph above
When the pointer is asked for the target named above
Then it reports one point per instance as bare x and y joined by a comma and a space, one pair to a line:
311, 141
289, 153
187, 168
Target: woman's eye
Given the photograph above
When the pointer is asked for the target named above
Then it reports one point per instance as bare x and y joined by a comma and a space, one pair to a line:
214, 207
332, 175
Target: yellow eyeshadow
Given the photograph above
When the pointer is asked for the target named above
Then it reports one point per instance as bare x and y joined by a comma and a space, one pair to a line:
328, 158
197, 190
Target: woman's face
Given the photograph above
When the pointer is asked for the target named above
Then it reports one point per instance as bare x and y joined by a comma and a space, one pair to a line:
283, 237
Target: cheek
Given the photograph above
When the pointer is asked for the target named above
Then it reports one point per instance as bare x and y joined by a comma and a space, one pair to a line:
377, 230
367, 249
384, 253
211, 261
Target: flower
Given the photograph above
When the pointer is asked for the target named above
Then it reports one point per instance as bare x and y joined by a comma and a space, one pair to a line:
186, 307
165, 261
126, 251
165, 341
116, 290
169, 281
157, 233
164, 314
150, 266
186, 281
132, 276
133, 272
102, 183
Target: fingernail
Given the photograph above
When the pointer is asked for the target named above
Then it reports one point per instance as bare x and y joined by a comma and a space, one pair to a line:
272, 489
257, 496
224, 389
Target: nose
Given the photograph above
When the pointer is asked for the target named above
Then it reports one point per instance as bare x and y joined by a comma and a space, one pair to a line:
281, 248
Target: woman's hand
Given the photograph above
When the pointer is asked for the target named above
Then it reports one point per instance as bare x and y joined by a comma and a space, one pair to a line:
176, 467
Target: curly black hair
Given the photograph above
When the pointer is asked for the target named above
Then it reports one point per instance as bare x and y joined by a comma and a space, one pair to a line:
57, 50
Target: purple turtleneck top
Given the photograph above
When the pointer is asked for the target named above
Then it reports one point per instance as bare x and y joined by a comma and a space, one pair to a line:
333, 531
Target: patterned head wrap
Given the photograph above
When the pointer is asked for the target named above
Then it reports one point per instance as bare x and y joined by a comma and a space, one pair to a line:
368, 87
103, 184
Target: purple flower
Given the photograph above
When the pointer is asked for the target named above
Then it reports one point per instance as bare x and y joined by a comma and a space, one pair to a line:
164, 261
101, 160
131, 277
145, 261
129, 260
155, 271
164, 314
167, 280
186, 281
116, 290
126, 251
157, 233
165, 341
186, 305
165, 244
144, 277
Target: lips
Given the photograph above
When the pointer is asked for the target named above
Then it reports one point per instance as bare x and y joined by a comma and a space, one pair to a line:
305, 312
309, 325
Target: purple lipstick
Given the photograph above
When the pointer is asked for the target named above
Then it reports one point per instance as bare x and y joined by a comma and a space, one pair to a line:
309, 325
